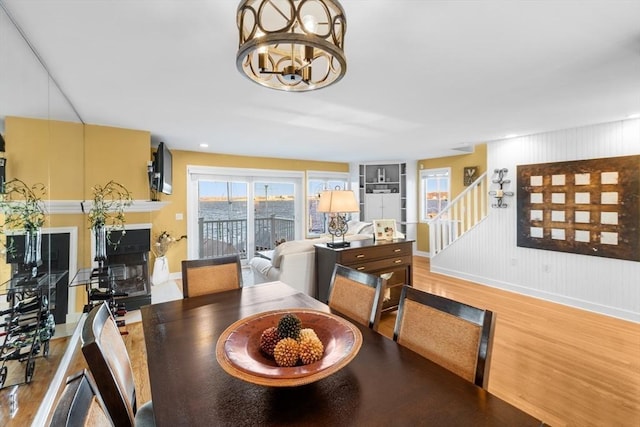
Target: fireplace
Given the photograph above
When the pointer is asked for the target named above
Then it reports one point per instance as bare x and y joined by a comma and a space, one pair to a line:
128, 266
54, 269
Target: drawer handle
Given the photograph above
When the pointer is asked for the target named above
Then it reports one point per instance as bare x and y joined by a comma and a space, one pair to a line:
398, 261
360, 256
360, 268
397, 250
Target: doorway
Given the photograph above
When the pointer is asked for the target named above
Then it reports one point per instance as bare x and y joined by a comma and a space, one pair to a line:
242, 211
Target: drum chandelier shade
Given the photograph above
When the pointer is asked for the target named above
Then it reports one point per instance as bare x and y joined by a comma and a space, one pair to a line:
292, 45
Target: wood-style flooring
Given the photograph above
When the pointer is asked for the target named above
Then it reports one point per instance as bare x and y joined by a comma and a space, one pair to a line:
563, 365
566, 366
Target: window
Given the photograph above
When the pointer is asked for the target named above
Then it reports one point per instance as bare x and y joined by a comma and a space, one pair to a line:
435, 191
316, 183
232, 210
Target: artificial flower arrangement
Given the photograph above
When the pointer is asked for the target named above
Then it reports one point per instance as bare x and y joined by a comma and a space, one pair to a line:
163, 243
22, 206
107, 214
109, 203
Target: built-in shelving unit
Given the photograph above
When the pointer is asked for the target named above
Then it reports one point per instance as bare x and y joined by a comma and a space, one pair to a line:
383, 193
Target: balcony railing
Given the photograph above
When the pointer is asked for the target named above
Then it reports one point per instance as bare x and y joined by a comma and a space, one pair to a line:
229, 236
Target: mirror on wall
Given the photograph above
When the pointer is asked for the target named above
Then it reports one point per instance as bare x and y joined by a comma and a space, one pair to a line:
43, 145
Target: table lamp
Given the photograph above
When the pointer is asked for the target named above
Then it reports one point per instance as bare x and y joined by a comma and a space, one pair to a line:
336, 203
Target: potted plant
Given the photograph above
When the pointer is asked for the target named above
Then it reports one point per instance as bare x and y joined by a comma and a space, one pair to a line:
107, 215
24, 210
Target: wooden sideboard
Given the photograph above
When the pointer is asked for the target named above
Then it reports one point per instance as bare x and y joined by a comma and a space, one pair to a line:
375, 257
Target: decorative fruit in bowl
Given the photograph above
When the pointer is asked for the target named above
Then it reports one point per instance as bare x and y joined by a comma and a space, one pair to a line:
289, 344
287, 347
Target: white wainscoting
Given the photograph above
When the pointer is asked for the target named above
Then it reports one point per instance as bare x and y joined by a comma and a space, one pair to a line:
489, 254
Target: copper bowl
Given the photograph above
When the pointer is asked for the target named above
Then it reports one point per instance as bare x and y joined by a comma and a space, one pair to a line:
238, 348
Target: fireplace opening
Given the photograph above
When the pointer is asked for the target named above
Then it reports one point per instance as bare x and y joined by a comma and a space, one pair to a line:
54, 269
128, 267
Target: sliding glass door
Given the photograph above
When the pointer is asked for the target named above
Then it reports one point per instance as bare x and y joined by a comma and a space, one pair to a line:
274, 204
242, 211
222, 218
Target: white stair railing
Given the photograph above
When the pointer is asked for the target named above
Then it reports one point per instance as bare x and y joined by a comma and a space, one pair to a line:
461, 215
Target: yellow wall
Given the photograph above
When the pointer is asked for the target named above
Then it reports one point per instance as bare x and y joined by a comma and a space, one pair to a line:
117, 154
48, 152
71, 158
165, 218
457, 164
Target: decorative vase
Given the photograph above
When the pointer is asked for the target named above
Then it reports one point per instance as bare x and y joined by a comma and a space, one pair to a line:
32, 250
160, 270
100, 234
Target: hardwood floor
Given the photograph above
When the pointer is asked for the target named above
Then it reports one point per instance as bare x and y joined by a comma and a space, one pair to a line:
29, 395
565, 366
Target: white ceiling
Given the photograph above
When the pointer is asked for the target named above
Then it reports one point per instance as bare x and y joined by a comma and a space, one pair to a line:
423, 78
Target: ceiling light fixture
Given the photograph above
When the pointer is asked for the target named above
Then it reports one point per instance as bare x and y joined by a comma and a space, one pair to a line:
292, 45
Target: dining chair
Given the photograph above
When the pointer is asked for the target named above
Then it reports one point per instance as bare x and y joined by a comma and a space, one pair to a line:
454, 335
357, 295
109, 364
80, 404
210, 275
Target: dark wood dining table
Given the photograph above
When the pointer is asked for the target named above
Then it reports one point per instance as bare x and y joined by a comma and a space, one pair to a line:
384, 385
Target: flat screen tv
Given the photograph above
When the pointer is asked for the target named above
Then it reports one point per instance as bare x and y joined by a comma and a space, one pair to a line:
162, 170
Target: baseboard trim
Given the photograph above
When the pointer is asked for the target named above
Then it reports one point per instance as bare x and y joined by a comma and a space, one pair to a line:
547, 296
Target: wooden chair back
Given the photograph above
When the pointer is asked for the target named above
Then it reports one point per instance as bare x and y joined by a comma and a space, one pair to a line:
108, 361
80, 404
357, 295
211, 275
454, 335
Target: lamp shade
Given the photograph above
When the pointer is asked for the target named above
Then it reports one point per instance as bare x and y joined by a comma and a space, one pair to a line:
337, 201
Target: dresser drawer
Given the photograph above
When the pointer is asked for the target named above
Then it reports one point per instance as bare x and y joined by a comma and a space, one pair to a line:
382, 264
360, 255
368, 256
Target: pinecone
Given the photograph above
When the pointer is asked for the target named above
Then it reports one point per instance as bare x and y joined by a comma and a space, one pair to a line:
289, 326
307, 333
311, 350
268, 340
286, 352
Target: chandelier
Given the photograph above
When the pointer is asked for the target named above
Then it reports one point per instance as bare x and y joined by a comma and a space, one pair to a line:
292, 45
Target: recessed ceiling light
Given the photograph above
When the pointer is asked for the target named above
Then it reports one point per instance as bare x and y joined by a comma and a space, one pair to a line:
511, 135
204, 145
634, 116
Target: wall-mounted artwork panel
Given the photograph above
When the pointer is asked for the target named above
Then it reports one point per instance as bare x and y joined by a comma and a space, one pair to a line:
588, 207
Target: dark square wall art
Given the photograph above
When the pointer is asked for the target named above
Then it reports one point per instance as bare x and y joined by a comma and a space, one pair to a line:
588, 207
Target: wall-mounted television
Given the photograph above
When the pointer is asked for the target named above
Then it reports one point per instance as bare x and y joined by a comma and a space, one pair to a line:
162, 170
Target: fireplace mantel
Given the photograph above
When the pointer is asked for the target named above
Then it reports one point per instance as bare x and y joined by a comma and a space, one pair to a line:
84, 206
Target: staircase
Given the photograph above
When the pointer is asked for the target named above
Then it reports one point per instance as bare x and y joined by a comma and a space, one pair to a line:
464, 212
